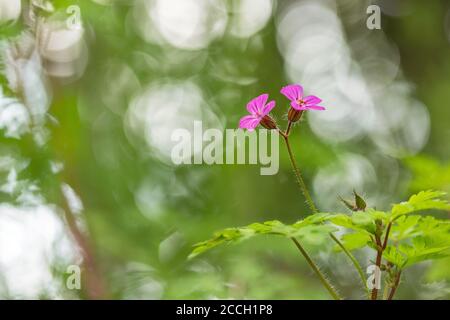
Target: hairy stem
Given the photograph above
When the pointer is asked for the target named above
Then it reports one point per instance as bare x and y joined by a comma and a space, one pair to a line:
313, 266
312, 206
299, 178
394, 288
353, 260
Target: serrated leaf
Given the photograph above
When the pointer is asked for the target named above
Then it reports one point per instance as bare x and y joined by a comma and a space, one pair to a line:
313, 219
360, 221
311, 230
393, 255
430, 226
405, 227
377, 215
353, 241
359, 224
427, 254
314, 234
411, 226
420, 249
424, 200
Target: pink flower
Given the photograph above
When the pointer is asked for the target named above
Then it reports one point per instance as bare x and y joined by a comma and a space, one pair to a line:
294, 92
259, 111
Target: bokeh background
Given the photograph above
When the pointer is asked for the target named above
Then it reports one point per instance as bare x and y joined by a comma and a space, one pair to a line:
86, 115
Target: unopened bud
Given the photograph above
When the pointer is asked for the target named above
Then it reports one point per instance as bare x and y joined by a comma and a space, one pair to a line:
294, 115
359, 202
268, 122
348, 204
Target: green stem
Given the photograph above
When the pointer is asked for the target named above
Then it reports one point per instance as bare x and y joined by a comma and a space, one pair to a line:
313, 266
313, 208
299, 178
353, 260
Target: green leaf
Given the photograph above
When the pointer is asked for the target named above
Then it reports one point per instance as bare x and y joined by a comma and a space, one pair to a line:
393, 255
418, 239
414, 225
311, 230
420, 249
405, 227
415, 256
345, 221
424, 200
353, 241
432, 227
377, 215
314, 219
314, 234
358, 221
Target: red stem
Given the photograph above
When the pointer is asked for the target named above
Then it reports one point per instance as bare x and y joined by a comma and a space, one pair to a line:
380, 249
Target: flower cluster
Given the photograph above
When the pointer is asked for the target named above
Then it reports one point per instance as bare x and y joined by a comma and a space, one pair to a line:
259, 109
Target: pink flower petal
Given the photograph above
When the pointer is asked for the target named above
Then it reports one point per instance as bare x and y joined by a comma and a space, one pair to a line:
244, 121
249, 122
312, 100
292, 91
256, 105
296, 106
268, 107
316, 107
253, 124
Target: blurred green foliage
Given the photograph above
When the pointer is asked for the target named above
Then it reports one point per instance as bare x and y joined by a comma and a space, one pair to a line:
143, 215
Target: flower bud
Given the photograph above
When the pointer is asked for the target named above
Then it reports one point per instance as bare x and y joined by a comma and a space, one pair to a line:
358, 205
348, 204
294, 115
268, 122
359, 202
